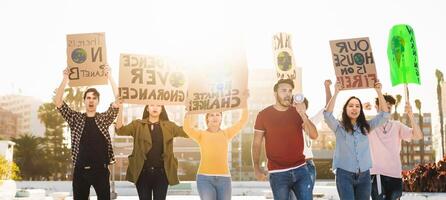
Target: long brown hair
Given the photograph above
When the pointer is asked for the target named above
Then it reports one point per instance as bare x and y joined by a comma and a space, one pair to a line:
363, 125
163, 114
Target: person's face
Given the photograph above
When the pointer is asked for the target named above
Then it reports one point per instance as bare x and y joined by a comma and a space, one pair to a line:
154, 110
283, 94
353, 109
91, 101
389, 107
214, 119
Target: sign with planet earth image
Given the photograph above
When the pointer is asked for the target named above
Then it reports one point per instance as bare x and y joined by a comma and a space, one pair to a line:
147, 79
86, 58
283, 56
354, 63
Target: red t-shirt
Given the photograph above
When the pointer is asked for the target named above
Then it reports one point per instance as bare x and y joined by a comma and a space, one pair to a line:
283, 137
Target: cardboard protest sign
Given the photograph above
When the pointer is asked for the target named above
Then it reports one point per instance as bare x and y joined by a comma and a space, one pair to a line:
86, 58
283, 56
284, 60
222, 85
402, 55
354, 63
147, 79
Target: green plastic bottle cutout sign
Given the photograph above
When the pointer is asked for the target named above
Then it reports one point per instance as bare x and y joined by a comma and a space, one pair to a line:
403, 56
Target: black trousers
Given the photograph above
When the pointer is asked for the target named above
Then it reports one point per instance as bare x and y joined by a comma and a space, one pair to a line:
152, 181
391, 188
83, 179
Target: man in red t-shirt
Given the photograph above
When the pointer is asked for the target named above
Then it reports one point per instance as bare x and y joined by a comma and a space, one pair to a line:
281, 125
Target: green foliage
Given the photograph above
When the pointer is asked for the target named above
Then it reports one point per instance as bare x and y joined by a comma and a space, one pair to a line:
56, 153
8, 170
30, 156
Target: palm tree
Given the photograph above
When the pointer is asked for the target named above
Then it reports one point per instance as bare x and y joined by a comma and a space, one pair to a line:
74, 97
440, 81
396, 116
57, 151
420, 123
29, 154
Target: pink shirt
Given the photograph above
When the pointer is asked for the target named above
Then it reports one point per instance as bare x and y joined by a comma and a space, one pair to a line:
385, 147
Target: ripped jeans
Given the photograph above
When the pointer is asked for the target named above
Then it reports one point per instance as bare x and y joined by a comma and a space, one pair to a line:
296, 180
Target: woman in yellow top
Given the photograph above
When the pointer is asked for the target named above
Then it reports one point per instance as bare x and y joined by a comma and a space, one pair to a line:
213, 177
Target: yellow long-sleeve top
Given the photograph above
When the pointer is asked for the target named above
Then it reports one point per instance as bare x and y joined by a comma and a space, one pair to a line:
214, 145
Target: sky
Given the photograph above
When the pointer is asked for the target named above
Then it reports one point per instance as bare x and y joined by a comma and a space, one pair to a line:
33, 37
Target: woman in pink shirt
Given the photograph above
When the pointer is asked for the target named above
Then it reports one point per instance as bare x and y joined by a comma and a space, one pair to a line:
385, 147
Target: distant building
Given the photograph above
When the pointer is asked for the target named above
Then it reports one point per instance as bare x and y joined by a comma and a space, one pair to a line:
416, 152
8, 124
25, 108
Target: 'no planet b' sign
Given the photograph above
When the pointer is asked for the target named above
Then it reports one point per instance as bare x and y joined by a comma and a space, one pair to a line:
86, 58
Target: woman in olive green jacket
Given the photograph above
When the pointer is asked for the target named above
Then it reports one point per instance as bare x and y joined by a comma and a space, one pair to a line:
152, 165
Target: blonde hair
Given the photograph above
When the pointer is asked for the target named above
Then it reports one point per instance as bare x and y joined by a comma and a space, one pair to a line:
207, 116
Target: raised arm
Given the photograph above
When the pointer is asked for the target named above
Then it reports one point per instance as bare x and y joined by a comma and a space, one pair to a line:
382, 102
127, 130
330, 106
234, 129
417, 133
119, 123
121, 129
109, 76
189, 129
327, 85
58, 99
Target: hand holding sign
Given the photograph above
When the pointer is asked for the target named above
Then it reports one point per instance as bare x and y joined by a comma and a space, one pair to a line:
66, 72
106, 70
338, 87
378, 87
408, 109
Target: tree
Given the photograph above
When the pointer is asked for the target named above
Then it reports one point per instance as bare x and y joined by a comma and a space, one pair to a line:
57, 152
440, 81
29, 154
8, 170
420, 123
74, 97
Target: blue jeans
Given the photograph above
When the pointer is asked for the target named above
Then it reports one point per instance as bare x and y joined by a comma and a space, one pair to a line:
353, 186
214, 187
312, 170
296, 180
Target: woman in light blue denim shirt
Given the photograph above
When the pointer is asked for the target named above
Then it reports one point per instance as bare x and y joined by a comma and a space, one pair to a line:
352, 159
